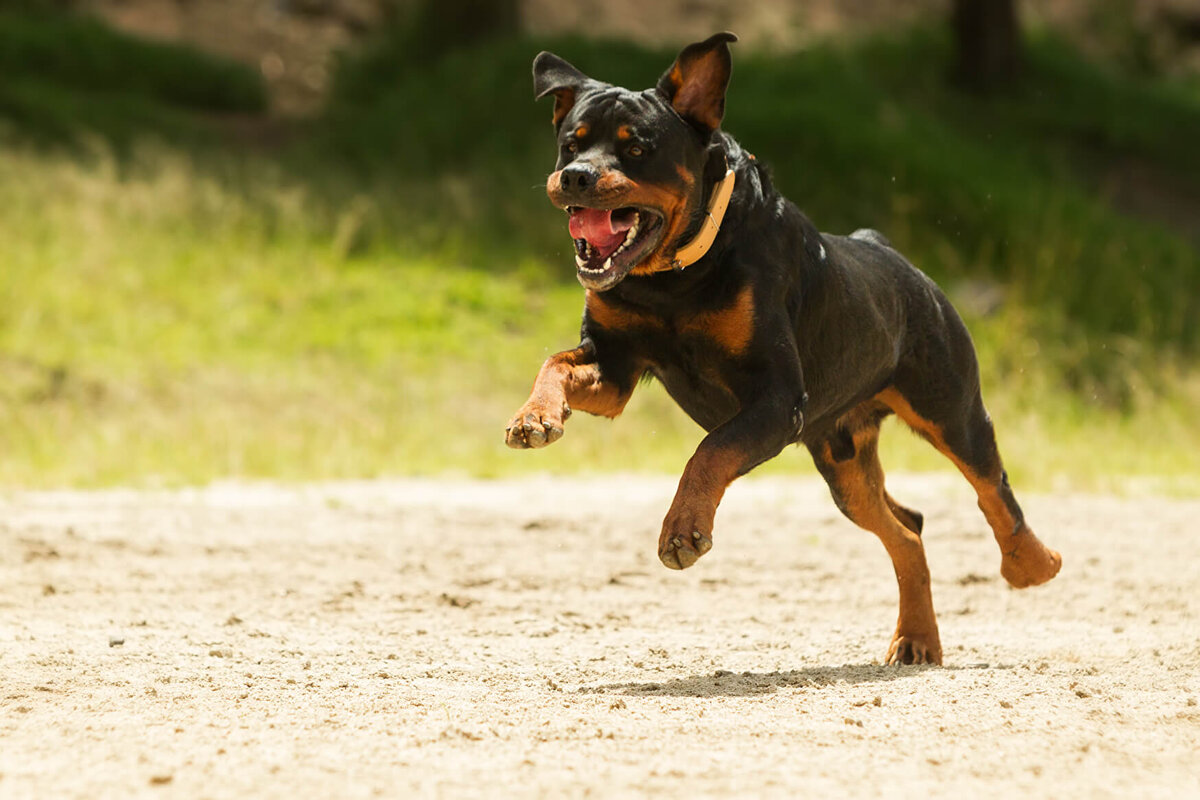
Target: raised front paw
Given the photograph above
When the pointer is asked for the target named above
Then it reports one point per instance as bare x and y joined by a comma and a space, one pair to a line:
686, 535
536, 425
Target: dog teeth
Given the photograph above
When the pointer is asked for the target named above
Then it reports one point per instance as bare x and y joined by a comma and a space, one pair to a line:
581, 261
633, 231
630, 235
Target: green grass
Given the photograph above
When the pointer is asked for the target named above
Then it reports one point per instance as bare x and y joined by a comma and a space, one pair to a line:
376, 299
158, 328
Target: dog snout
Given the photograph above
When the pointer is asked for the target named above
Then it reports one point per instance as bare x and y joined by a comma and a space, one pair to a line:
578, 177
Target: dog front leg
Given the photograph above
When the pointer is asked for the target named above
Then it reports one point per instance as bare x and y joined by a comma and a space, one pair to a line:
754, 435
570, 380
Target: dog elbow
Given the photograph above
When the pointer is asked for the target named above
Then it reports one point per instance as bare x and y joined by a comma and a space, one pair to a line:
797, 416
783, 423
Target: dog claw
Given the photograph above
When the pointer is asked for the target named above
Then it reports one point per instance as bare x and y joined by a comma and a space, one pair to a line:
532, 428
914, 650
678, 558
680, 552
513, 437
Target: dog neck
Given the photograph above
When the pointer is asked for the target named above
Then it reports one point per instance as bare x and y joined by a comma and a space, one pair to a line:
695, 250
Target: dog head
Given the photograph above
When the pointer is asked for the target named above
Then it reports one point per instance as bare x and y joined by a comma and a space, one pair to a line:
631, 164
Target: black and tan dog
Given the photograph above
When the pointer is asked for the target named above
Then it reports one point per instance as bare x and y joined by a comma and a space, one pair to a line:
766, 332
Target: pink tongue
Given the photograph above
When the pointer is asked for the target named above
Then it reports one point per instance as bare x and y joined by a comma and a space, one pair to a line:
599, 228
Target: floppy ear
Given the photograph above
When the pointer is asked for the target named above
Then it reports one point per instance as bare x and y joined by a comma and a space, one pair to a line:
552, 74
695, 84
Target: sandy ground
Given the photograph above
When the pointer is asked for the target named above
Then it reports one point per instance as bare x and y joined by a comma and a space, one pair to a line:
463, 639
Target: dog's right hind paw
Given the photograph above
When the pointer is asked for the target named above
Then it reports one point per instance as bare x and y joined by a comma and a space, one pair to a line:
1026, 562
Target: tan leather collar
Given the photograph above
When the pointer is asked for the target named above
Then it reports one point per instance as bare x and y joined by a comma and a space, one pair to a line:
694, 250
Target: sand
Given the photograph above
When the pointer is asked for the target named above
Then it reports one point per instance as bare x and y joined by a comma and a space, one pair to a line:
520, 638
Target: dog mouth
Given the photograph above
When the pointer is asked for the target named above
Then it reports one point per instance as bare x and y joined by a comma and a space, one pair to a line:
611, 242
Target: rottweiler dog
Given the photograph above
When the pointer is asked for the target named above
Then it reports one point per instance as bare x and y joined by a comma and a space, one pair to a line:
698, 273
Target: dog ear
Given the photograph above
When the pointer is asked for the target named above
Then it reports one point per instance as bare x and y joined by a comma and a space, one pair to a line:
552, 74
695, 84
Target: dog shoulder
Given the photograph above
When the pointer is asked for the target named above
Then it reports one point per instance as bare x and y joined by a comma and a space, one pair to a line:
871, 235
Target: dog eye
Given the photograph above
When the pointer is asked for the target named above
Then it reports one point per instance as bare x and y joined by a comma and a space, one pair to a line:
636, 151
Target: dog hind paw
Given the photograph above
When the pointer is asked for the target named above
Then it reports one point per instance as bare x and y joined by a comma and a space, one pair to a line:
1027, 562
914, 650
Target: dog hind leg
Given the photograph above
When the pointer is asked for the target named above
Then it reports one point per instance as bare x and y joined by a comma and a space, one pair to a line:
911, 518
857, 485
968, 439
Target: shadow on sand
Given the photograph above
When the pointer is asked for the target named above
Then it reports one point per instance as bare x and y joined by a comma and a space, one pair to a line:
724, 683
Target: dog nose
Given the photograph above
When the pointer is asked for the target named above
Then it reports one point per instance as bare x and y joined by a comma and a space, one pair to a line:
578, 176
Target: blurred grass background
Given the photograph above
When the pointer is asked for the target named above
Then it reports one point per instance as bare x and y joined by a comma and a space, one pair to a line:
193, 288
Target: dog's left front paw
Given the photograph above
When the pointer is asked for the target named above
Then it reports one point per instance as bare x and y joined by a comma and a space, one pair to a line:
685, 537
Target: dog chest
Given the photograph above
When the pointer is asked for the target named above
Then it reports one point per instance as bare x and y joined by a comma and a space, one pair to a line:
691, 373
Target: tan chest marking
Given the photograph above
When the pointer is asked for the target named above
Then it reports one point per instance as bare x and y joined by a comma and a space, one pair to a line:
731, 328
613, 318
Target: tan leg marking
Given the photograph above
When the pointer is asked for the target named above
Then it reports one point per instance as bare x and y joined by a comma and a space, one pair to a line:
568, 380
858, 486
687, 529
1025, 561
